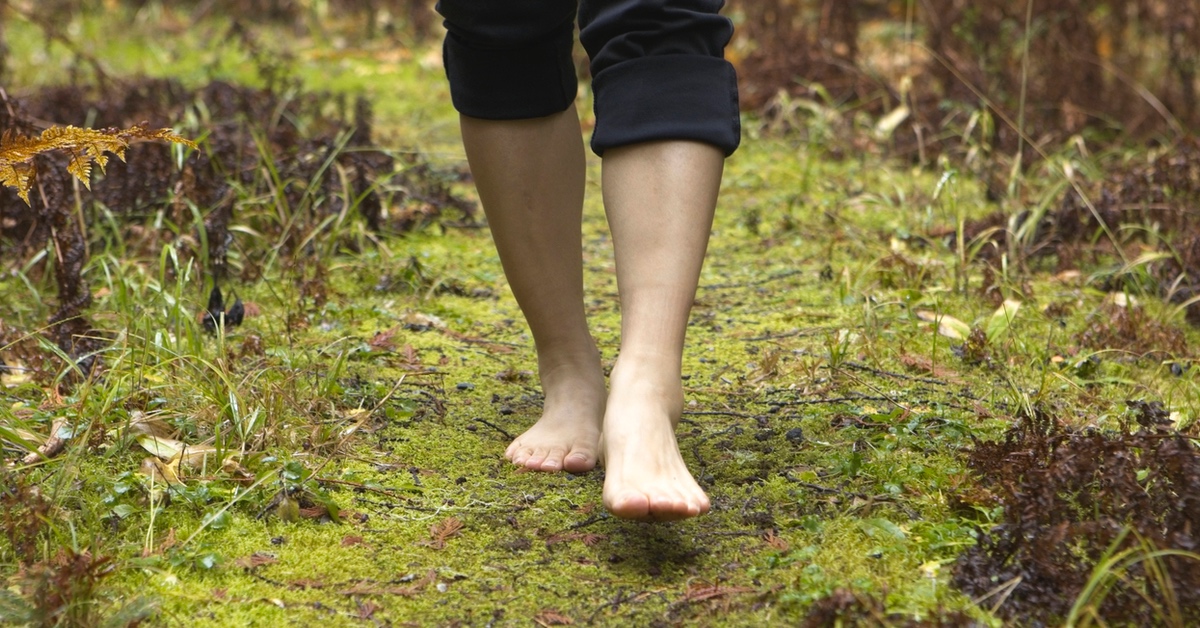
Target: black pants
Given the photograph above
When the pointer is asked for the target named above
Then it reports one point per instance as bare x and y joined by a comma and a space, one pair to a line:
658, 70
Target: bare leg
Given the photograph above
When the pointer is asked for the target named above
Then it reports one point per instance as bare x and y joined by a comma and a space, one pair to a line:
660, 198
530, 177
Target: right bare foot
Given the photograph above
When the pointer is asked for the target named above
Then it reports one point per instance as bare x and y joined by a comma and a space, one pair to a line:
567, 436
645, 475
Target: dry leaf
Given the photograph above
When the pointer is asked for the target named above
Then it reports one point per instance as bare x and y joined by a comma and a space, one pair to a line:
149, 424
775, 541
587, 538
926, 365
948, 326
702, 591
367, 609
443, 531
552, 618
160, 472
384, 340
255, 560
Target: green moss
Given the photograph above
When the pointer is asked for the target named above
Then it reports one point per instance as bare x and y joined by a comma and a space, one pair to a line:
824, 416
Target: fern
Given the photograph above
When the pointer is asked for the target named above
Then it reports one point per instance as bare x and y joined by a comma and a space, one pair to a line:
85, 147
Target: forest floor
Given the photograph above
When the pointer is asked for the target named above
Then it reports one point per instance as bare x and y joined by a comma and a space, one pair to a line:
851, 350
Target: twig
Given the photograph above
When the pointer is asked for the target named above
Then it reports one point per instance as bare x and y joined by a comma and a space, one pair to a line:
587, 522
813, 402
495, 427
52, 447
357, 485
742, 415
912, 378
746, 284
795, 333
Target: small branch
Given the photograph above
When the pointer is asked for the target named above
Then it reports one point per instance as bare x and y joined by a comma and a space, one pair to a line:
742, 415
363, 487
495, 427
747, 284
912, 378
52, 447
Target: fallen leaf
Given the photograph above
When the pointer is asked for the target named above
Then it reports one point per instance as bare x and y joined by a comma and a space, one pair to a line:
926, 365
160, 472
367, 609
315, 512
443, 531
587, 538
160, 446
384, 340
14, 374
775, 541
149, 424
948, 326
255, 560
417, 321
703, 591
552, 618
351, 540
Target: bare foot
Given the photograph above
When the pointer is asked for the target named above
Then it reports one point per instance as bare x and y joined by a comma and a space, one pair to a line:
645, 475
567, 437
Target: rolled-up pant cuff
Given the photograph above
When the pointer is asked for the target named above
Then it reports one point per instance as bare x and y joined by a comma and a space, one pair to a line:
667, 97
511, 84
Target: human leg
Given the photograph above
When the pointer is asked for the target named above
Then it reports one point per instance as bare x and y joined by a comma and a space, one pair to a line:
659, 197
666, 115
512, 79
530, 177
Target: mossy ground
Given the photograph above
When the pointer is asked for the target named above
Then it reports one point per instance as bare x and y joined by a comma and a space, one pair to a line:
824, 415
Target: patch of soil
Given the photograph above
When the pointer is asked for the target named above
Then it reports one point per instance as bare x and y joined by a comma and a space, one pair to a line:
1071, 495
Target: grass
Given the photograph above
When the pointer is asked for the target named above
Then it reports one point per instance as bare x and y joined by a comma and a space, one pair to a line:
355, 471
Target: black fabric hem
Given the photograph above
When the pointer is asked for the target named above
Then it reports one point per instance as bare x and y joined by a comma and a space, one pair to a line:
511, 84
665, 97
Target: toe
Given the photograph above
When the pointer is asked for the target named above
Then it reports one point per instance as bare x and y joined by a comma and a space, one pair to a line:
629, 505
549, 460
521, 456
579, 462
670, 507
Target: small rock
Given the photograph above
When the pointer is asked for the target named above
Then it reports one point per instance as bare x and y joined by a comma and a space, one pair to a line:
465, 386
794, 436
505, 410
764, 435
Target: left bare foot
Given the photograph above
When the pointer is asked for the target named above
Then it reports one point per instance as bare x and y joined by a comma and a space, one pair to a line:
645, 475
567, 436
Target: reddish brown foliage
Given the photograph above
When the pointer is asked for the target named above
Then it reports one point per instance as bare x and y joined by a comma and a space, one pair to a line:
1068, 495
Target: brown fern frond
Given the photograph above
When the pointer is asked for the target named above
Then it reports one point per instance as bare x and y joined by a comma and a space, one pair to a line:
85, 147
